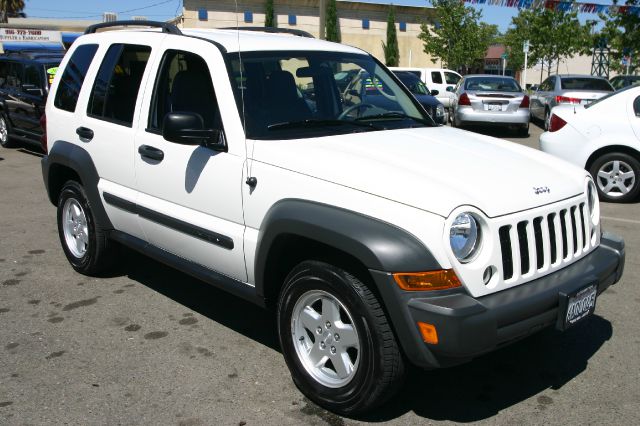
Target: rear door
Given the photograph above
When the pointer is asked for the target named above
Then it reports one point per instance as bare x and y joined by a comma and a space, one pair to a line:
31, 96
190, 196
634, 117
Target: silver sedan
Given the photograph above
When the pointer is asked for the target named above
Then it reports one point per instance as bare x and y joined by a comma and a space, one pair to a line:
491, 100
573, 89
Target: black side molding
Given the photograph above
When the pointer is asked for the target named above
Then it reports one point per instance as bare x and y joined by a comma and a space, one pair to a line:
170, 222
378, 245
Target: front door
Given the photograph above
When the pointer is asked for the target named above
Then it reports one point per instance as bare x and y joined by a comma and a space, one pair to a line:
190, 196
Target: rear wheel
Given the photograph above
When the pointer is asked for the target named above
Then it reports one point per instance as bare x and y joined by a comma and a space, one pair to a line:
5, 127
336, 339
84, 241
547, 120
617, 177
523, 131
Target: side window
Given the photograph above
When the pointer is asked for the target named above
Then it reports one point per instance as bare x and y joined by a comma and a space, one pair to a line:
115, 91
32, 75
636, 106
183, 84
14, 78
545, 86
436, 77
4, 71
552, 84
73, 77
451, 78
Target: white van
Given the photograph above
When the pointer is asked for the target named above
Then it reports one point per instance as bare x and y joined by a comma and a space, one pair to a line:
440, 79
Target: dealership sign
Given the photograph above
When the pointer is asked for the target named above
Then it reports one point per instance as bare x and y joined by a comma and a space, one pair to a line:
29, 35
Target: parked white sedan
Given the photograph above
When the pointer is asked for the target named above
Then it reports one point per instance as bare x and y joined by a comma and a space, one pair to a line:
604, 138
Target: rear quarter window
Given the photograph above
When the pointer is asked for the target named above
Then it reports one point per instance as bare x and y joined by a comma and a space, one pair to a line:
585, 83
73, 77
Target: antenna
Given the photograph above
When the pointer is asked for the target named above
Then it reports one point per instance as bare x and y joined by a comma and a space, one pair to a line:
251, 181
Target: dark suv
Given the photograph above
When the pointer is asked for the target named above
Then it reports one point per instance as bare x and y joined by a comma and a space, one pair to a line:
25, 78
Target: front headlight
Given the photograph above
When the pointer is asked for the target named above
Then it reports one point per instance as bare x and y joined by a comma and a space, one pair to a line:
439, 110
464, 237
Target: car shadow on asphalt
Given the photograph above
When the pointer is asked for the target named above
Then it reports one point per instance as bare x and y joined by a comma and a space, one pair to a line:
224, 308
496, 132
477, 390
539, 365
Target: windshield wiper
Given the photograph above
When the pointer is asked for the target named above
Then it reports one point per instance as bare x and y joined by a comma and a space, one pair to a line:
319, 123
395, 114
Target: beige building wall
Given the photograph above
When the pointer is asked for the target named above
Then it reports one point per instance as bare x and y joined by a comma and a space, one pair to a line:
222, 13
579, 64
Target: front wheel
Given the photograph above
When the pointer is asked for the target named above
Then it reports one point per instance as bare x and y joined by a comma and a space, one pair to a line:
336, 339
616, 175
5, 140
84, 241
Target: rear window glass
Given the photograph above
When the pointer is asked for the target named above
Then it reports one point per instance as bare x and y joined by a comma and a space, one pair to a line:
115, 90
492, 84
73, 77
585, 83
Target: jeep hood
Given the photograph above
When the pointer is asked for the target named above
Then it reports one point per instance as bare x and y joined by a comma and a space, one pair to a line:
435, 169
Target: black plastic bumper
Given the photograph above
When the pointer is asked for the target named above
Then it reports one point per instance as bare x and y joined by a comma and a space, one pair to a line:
468, 326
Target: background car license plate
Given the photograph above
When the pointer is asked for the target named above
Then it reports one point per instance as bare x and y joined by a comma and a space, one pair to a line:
495, 107
576, 306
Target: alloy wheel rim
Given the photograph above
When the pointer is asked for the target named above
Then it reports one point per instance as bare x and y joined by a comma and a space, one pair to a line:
74, 227
4, 134
616, 178
325, 338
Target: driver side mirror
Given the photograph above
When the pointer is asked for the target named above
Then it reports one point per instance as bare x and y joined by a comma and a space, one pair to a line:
449, 88
187, 128
435, 92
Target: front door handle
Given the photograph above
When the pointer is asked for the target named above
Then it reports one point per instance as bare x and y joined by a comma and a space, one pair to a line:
85, 134
151, 152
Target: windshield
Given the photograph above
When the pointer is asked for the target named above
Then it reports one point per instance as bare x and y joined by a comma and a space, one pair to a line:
413, 83
290, 95
585, 83
494, 84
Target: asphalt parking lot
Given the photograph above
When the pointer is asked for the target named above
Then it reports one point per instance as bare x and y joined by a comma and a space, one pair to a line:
149, 345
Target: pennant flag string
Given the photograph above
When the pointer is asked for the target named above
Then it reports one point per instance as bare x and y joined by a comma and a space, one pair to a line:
562, 6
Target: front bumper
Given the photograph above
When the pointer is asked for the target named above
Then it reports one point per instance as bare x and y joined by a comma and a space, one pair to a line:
467, 115
468, 326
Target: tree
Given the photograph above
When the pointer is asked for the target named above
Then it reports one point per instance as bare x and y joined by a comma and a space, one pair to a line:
10, 8
622, 33
552, 35
458, 38
333, 26
269, 18
391, 52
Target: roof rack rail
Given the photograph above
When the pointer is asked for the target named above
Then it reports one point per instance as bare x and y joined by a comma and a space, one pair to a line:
292, 31
166, 27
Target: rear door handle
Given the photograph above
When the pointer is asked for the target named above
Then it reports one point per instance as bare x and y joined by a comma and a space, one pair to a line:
151, 152
84, 133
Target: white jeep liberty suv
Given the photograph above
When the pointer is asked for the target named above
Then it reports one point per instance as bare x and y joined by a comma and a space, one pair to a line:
379, 238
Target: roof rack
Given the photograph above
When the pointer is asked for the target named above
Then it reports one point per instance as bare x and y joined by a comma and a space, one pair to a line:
292, 31
166, 27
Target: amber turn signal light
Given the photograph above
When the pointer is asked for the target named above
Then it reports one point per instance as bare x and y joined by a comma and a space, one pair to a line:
431, 280
429, 333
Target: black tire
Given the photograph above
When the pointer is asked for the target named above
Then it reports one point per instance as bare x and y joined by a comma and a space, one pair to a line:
523, 131
626, 164
5, 139
380, 367
99, 252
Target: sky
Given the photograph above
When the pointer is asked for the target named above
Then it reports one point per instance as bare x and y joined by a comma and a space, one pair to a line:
165, 9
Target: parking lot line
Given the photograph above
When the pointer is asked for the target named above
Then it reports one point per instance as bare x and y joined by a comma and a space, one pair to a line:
621, 220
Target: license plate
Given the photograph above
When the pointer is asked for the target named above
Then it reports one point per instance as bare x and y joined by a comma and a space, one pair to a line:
576, 306
494, 107
587, 101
